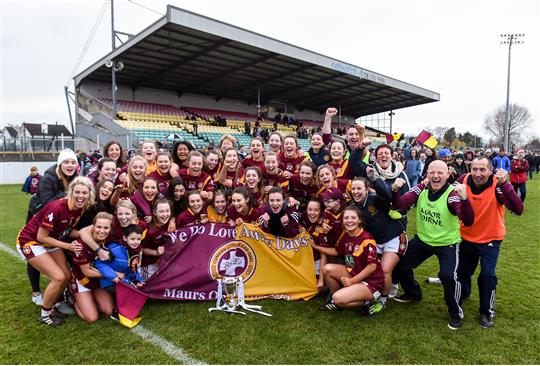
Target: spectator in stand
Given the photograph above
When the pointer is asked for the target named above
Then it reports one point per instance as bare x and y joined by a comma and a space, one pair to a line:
242, 153
286, 120
518, 173
501, 161
32, 181
247, 128
257, 131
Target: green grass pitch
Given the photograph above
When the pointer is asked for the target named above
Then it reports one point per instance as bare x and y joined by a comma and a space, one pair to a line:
298, 333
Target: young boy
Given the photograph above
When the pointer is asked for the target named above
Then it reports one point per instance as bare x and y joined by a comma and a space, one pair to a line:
32, 181
125, 260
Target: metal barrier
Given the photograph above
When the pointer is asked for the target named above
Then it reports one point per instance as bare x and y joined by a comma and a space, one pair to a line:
27, 149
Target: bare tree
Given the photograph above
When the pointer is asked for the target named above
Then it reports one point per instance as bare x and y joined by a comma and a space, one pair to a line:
519, 120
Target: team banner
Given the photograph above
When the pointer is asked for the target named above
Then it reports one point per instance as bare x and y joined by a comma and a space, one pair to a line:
270, 266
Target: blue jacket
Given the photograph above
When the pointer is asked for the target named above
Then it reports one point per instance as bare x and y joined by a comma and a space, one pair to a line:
501, 163
412, 169
119, 263
375, 209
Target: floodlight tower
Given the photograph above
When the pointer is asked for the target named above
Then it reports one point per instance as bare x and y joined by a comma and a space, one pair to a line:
509, 39
112, 66
391, 114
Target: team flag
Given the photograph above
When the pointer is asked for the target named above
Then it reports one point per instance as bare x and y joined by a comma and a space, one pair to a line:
392, 137
270, 266
427, 139
129, 302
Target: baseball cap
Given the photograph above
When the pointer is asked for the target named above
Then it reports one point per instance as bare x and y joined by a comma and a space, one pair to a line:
331, 194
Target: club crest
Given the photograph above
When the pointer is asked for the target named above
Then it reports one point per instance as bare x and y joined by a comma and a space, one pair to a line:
234, 258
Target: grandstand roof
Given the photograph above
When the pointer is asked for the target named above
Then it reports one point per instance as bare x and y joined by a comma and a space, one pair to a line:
190, 53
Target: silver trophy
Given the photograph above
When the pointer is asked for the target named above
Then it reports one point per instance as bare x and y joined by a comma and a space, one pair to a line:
231, 286
230, 297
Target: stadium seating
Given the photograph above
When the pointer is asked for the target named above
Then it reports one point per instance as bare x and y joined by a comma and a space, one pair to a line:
151, 121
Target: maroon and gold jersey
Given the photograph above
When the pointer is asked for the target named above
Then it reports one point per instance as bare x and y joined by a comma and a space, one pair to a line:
235, 176
315, 230
247, 162
259, 198
334, 220
344, 185
163, 181
214, 216
187, 218
156, 236
213, 172
360, 251
252, 216
117, 231
275, 180
85, 256
290, 164
300, 191
341, 169
203, 182
56, 217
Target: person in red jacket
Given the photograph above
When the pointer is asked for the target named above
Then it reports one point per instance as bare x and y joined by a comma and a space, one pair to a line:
518, 173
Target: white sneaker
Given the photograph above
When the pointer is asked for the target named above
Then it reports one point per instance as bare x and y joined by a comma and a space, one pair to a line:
37, 299
393, 291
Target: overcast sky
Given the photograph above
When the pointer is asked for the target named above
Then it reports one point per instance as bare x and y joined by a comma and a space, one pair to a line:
450, 47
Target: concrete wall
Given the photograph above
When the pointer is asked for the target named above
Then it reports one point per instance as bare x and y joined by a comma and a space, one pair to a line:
16, 172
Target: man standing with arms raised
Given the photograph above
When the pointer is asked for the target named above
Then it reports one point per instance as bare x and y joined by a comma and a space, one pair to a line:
440, 207
489, 193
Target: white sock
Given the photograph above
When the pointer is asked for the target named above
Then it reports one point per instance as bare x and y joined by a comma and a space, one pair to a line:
45, 312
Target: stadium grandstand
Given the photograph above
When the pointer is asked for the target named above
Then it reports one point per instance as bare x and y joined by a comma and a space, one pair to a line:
186, 73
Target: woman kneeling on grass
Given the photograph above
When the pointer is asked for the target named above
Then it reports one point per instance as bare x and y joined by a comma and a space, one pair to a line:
361, 279
90, 300
42, 239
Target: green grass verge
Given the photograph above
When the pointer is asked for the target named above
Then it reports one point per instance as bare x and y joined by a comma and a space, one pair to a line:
298, 333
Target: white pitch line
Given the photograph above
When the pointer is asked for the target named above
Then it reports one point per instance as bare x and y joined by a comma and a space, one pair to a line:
10, 251
147, 335
166, 346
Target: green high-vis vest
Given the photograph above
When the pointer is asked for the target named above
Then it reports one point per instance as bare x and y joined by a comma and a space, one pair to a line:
435, 224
